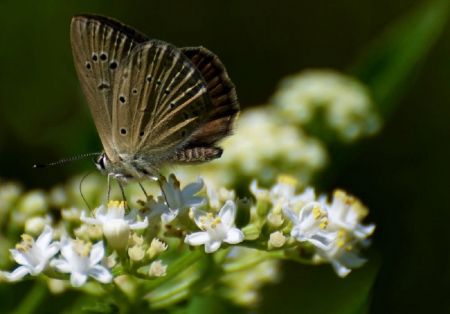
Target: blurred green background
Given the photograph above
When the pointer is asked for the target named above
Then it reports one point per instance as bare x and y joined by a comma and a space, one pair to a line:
401, 174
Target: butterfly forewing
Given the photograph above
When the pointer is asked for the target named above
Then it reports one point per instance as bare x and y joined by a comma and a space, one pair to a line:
100, 45
160, 99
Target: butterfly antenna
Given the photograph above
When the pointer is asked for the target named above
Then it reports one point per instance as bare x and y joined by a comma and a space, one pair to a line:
66, 160
81, 193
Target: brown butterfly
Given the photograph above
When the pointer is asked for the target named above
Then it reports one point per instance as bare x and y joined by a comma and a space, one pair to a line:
153, 104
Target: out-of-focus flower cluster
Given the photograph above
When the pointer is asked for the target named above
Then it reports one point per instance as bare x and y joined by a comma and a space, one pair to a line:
344, 104
308, 112
264, 147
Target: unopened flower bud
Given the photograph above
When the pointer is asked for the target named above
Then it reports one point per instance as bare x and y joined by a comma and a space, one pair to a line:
136, 253
276, 240
35, 225
33, 203
156, 248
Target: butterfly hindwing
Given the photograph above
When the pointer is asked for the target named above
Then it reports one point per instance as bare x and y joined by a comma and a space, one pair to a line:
160, 99
222, 115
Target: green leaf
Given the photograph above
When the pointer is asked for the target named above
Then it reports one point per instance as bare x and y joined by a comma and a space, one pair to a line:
388, 65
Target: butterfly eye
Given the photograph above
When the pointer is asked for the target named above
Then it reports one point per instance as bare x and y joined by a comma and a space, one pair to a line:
149, 78
123, 131
94, 57
141, 133
103, 56
135, 91
167, 91
88, 65
122, 99
172, 105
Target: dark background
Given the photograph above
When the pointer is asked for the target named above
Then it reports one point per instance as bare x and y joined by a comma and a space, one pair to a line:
402, 174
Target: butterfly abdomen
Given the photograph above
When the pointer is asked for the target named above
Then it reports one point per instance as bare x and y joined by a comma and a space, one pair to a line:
198, 154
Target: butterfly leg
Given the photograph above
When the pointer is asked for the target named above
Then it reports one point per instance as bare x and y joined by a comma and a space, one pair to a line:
163, 193
146, 196
122, 190
109, 187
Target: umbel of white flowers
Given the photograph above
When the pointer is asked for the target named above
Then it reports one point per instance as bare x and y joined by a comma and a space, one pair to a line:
333, 229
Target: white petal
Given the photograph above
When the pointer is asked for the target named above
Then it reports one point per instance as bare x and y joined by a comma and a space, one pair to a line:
17, 274
20, 258
139, 224
45, 238
297, 234
211, 247
228, 213
101, 212
61, 265
196, 201
290, 213
97, 253
78, 279
198, 213
66, 248
197, 238
234, 236
340, 269
362, 231
101, 274
89, 220
38, 268
168, 217
157, 210
323, 240
52, 250
131, 217
352, 260
193, 188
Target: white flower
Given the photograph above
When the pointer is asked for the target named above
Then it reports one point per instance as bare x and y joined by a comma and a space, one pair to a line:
346, 213
80, 259
215, 230
284, 191
216, 198
178, 200
310, 224
33, 256
342, 256
116, 226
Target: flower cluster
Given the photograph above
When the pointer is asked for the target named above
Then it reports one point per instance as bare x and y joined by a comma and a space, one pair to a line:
248, 237
78, 258
348, 109
335, 230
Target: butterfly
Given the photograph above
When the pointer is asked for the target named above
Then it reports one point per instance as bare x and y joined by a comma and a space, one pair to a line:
153, 104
